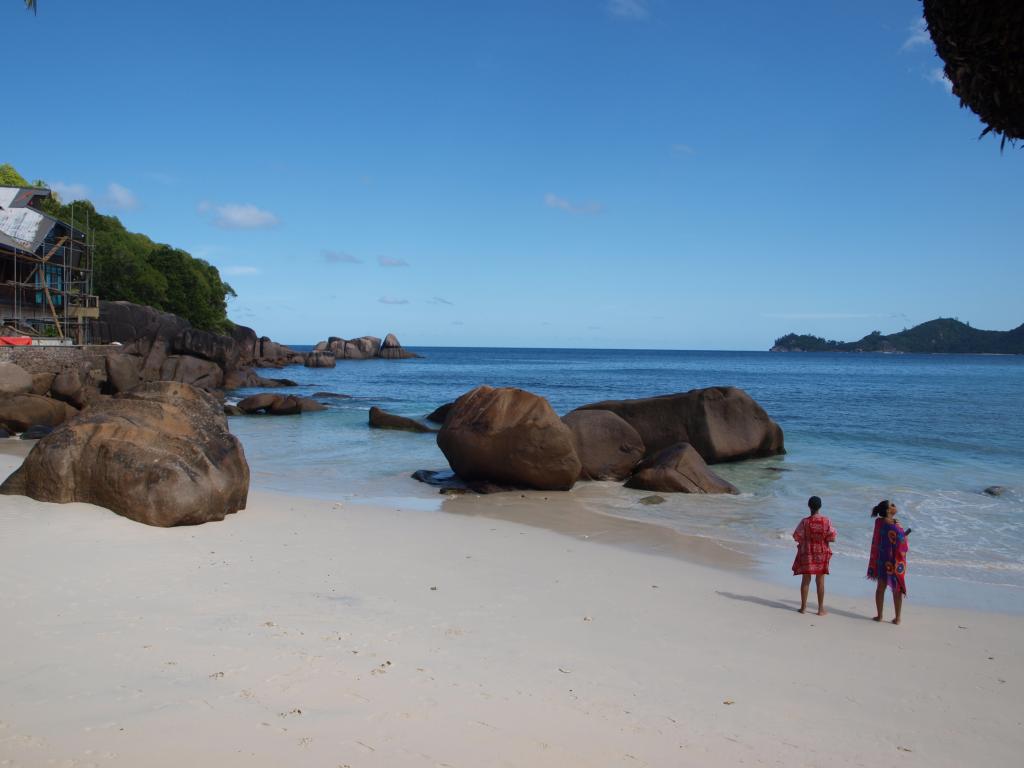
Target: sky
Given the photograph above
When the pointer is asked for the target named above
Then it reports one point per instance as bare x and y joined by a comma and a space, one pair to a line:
654, 174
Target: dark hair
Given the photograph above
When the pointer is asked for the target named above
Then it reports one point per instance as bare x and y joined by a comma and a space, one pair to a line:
881, 508
814, 503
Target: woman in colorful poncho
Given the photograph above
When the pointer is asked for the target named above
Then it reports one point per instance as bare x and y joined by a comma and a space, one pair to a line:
813, 535
888, 563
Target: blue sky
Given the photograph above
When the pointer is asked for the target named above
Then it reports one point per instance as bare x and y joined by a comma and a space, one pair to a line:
582, 173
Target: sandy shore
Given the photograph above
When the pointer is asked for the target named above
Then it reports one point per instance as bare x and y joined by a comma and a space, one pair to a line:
312, 633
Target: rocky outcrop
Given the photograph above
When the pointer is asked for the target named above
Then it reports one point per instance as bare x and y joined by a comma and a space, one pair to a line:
607, 446
678, 469
19, 412
320, 359
364, 348
392, 349
722, 423
381, 419
160, 455
509, 437
14, 380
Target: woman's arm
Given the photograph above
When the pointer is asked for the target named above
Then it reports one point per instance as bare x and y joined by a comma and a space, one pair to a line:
798, 534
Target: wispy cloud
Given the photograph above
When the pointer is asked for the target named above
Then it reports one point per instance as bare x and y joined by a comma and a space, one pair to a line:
938, 75
241, 270
121, 198
552, 200
391, 300
339, 257
238, 215
386, 261
69, 192
629, 9
439, 300
918, 35
680, 150
457, 322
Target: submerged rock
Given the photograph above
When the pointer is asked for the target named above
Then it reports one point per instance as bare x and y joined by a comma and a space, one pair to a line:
995, 490
381, 419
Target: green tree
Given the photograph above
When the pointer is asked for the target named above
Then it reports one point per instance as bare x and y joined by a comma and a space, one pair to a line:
9, 177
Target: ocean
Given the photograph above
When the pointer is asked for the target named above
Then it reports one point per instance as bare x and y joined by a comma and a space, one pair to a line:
928, 431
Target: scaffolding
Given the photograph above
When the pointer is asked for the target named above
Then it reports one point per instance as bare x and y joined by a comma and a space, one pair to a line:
46, 274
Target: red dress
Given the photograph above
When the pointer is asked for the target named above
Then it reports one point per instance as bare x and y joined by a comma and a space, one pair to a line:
813, 535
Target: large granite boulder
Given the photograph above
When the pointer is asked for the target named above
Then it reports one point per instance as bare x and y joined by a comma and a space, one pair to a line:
381, 419
161, 455
69, 387
41, 382
14, 380
222, 350
678, 469
509, 437
363, 348
608, 447
722, 423
19, 412
439, 414
123, 372
125, 323
246, 342
278, 405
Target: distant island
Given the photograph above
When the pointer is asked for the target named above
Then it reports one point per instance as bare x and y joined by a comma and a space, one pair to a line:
943, 335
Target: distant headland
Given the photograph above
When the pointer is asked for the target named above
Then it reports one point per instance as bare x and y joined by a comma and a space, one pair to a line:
943, 335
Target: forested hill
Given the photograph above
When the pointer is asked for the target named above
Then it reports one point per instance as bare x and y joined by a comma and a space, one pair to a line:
128, 266
942, 335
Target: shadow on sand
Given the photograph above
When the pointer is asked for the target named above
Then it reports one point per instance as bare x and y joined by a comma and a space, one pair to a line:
791, 605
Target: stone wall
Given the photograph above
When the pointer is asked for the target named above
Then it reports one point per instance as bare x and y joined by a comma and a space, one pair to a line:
55, 359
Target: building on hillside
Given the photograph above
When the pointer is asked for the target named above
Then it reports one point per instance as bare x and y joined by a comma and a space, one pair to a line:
45, 270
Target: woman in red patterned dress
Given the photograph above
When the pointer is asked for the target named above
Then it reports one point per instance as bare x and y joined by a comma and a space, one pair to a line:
813, 535
887, 564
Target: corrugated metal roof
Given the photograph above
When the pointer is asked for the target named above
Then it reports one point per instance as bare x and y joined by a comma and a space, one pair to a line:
21, 226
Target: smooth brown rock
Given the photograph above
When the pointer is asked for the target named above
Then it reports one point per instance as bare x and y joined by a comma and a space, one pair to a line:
309, 405
722, 423
19, 412
285, 406
68, 386
381, 419
41, 382
678, 469
257, 403
123, 372
439, 414
193, 371
161, 455
14, 380
509, 437
321, 360
608, 447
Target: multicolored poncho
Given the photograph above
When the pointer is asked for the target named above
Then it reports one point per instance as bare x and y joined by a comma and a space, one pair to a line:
813, 552
889, 555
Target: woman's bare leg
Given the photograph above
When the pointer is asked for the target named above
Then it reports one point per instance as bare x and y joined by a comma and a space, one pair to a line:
880, 598
897, 601
805, 586
820, 582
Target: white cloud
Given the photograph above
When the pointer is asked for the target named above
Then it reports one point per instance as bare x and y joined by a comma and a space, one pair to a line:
386, 261
121, 198
552, 200
339, 257
241, 270
938, 75
390, 300
239, 216
918, 35
69, 192
629, 9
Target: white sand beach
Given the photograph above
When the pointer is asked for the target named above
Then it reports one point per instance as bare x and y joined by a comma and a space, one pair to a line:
311, 633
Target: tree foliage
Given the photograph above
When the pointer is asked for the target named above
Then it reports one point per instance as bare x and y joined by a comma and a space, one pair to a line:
944, 335
128, 266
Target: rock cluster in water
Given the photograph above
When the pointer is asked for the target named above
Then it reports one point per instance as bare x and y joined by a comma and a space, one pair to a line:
509, 438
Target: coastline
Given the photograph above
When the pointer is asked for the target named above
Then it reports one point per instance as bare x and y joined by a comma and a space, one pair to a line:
327, 633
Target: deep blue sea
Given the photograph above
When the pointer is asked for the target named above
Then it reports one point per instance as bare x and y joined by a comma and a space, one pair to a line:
929, 431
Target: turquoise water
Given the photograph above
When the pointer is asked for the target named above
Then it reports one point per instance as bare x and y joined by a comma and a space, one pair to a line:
930, 431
